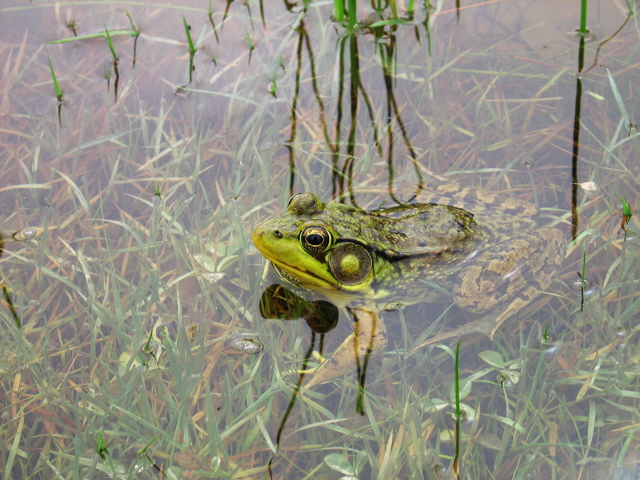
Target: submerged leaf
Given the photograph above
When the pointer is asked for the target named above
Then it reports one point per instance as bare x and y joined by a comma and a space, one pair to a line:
492, 358
339, 463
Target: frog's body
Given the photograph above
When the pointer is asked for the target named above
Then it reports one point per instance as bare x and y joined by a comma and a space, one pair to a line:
495, 259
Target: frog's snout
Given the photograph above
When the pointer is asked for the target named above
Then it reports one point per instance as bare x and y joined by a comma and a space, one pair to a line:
258, 235
265, 235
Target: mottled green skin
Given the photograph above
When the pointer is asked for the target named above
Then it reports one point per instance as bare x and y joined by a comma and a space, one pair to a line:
418, 244
404, 242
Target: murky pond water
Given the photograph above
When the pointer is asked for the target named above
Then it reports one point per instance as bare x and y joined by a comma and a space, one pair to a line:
143, 142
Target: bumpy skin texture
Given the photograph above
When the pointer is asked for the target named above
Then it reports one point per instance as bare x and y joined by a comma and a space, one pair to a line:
402, 242
484, 247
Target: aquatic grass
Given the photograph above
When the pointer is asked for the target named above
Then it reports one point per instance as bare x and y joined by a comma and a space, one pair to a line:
108, 34
583, 279
134, 27
56, 86
116, 72
143, 337
187, 30
107, 77
338, 10
456, 376
104, 34
192, 51
213, 24
73, 25
250, 43
57, 89
583, 30
626, 213
112, 49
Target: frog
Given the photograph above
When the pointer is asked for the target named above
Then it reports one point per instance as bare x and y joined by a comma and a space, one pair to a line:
485, 248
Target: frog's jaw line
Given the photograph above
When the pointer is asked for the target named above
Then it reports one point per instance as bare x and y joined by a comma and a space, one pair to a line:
304, 276
313, 282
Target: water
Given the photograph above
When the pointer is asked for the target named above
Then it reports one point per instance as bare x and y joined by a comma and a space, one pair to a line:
140, 173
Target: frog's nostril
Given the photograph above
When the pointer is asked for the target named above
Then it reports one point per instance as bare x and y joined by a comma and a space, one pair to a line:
277, 233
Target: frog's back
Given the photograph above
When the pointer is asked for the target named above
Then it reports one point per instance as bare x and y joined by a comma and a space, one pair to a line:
500, 215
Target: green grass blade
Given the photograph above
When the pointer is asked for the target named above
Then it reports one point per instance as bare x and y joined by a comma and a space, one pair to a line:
56, 86
583, 17
458, 410
187, 30
113, 33
338, 10
110, 43
133, 25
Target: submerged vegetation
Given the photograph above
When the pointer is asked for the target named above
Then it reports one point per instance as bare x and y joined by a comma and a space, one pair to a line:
128, 274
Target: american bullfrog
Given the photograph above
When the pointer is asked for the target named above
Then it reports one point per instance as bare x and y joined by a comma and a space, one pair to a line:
485, 248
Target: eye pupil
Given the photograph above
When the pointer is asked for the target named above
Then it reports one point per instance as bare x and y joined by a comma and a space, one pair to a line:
314, 239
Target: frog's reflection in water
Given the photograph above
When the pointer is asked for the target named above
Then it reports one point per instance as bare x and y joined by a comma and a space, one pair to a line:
280, 303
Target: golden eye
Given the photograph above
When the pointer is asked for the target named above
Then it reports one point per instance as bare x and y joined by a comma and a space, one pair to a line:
315, 239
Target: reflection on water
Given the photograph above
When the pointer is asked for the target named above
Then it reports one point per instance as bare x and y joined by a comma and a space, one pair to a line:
343, 170
117, 196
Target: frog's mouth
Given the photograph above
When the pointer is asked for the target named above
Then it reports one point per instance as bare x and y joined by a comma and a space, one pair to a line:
297, 276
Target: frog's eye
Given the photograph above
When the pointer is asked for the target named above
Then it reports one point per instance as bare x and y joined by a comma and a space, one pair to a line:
293, 197
315, 239
304, 204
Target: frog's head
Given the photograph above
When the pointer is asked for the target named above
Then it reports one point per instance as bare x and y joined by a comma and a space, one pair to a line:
303, 244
